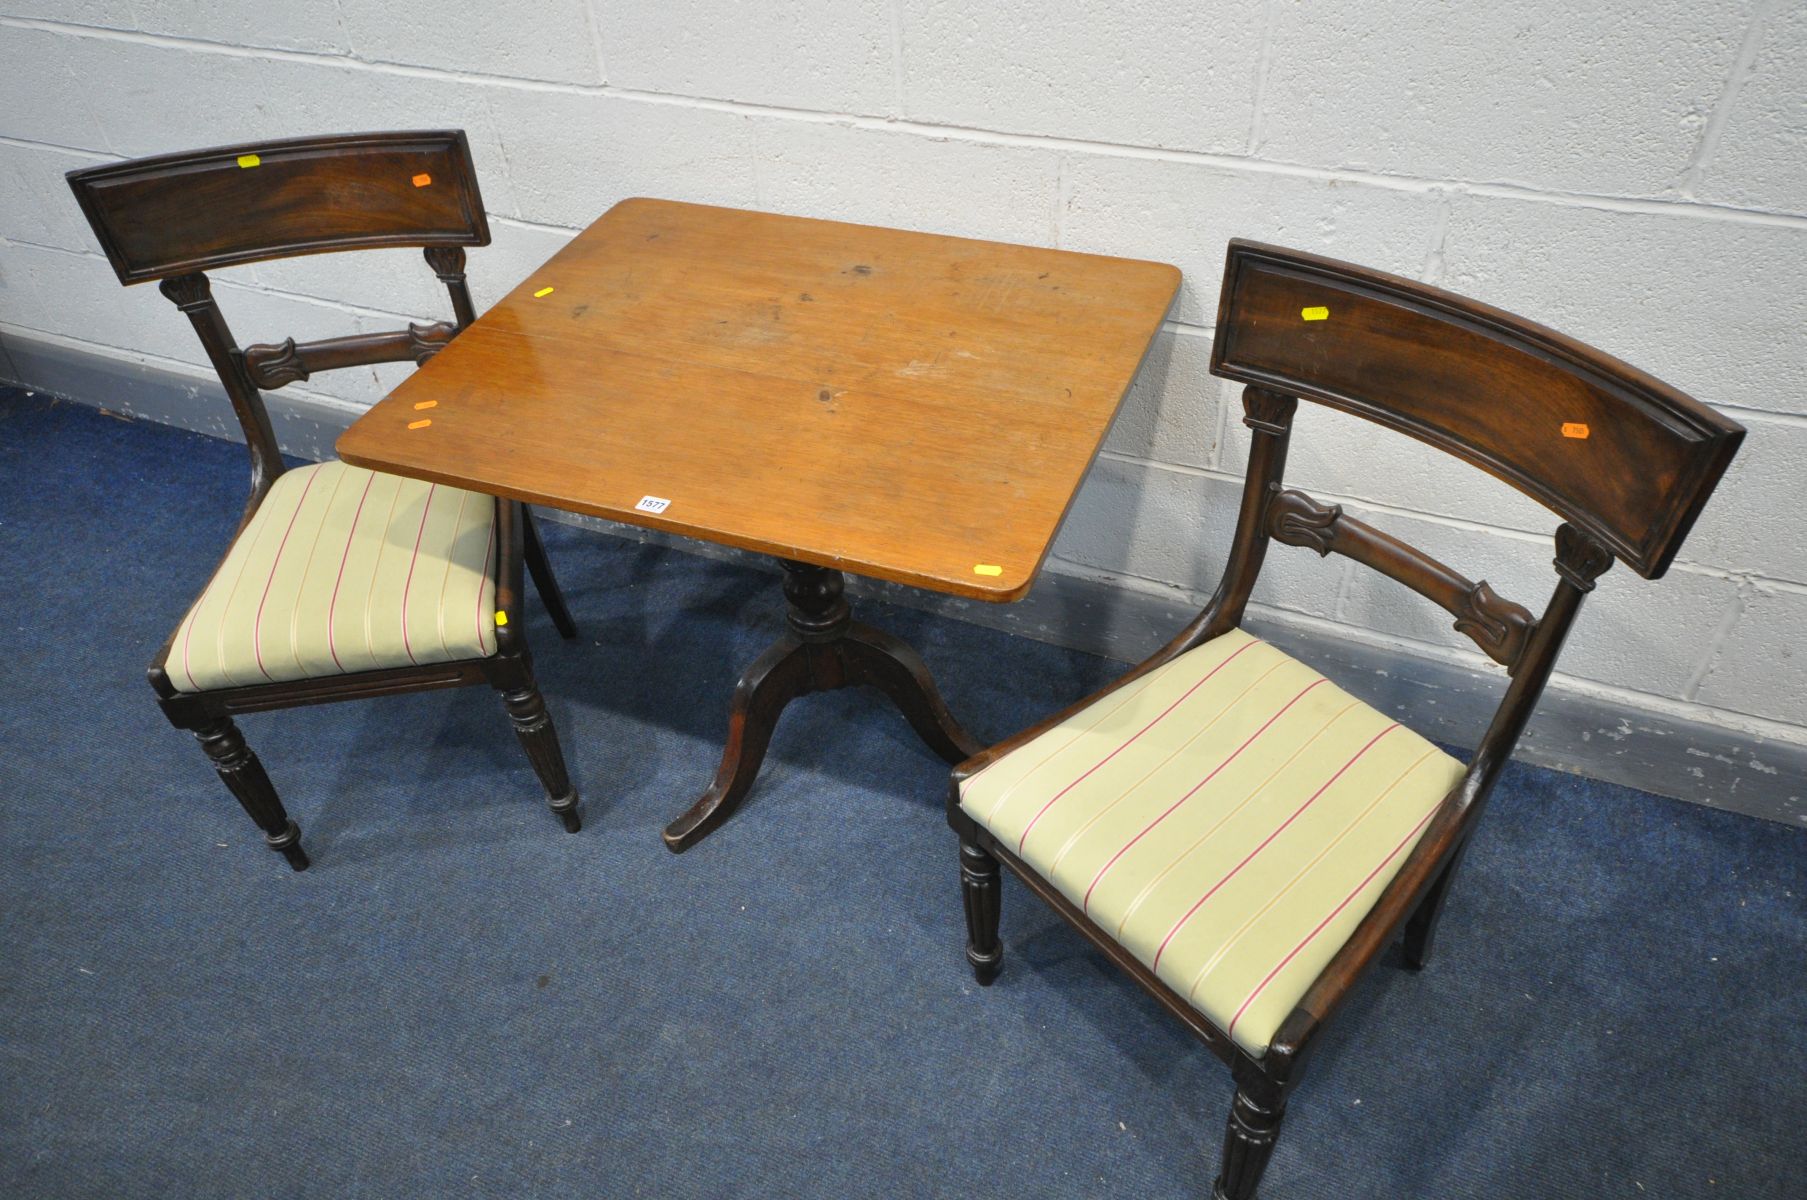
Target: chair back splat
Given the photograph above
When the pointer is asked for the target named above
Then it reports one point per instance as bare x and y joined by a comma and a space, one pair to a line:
176, 216
1248, 892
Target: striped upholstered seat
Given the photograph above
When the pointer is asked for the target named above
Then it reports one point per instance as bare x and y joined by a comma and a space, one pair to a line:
1228, 818
342, 570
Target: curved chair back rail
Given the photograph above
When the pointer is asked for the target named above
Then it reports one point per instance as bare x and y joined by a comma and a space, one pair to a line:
179, 213
1627, 463
1615, 452
176, 216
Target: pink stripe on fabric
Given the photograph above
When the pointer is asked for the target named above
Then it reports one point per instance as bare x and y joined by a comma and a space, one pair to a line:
339, 477
257, 625
1086, 903
188, 634
464, 499
187, 637
488, 545
1178, 925
418, 534
1333, 915
331, 645
1120, 749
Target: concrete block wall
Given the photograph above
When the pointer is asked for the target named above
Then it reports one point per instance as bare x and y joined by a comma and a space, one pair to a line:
1634, 174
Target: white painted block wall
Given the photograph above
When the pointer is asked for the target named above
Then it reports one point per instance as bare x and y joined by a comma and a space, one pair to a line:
1633, 172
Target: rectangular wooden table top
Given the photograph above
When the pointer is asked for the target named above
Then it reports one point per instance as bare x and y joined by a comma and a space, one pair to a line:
905, 406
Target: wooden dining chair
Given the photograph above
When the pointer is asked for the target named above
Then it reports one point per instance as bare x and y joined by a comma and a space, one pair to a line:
1231, 828
340, 583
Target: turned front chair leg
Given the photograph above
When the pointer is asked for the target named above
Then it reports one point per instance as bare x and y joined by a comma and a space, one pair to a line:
245, 776
533, 726
981, 890
1248, 1144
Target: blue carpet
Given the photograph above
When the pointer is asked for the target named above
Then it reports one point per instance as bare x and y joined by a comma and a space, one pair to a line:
461, 1000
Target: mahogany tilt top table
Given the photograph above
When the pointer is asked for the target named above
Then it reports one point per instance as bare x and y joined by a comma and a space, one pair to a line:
912, 407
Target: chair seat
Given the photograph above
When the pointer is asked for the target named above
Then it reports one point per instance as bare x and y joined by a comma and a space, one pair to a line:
343, 570
1228, 818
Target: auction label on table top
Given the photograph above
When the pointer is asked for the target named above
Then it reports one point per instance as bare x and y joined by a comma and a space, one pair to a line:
653, 504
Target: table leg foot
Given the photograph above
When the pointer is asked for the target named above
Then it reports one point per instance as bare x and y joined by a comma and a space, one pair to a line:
891, 665
823, 649
780, 674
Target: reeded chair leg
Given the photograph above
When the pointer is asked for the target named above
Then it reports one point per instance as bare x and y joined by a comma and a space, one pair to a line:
1247, 1145
540, 567
980, 888
245, 776
533, 726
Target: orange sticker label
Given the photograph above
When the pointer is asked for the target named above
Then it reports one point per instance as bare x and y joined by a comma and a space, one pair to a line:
422, 179
1316, 312
542, 292
501, 617
1574, 429
987, 569
249, 160
418, 424
420, 404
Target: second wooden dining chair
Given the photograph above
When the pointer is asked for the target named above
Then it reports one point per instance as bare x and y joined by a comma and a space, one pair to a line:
1233, 830
340, 583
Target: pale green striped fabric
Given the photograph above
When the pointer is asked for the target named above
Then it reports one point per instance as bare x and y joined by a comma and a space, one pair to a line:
1228, 818
343, 570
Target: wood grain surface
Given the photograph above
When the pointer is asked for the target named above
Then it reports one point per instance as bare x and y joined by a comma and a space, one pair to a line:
906, 406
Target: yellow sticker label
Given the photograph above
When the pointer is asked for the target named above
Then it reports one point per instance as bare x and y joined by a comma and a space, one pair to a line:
418, 424
542, 292
1316, 312
420, 404
248, 160
422, 179
501, 617
987, 569
1574, 429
